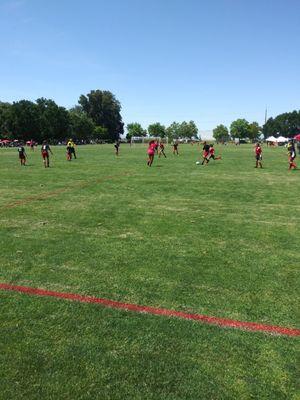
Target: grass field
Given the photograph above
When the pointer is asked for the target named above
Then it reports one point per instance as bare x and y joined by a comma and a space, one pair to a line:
220, 240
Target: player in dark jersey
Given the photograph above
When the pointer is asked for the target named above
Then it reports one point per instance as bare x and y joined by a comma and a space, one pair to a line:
205, 153
258, 155
22, 154
45, 150
292, 155
175, 148
71, 146
69, 152
161, 150
155, 146
117, 146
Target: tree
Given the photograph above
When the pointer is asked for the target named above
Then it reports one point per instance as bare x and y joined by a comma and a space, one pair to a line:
286, 124
5, 109
239, 129
135, 129
182, 130
54, 120
254, 131
157, 130
173, 131
101, 133
104, 109
221, 134
82, 126
23, 121
188, 129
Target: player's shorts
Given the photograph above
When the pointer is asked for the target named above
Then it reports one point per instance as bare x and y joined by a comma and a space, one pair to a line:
150, 153
45, 154
205, 154
22, 156
258, 157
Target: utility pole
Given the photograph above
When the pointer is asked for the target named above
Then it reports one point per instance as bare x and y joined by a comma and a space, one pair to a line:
266, 114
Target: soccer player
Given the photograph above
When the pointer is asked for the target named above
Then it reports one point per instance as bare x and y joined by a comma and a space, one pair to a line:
45, 153
71, 144
292, 155
117, 145
151, 152
175, 148
258, 155
205, 153
69, 151
22, 154
161, 150
212, 153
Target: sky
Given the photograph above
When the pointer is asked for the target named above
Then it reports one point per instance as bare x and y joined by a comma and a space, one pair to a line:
165, 60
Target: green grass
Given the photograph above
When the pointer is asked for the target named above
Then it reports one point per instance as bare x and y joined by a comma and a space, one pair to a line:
220, 240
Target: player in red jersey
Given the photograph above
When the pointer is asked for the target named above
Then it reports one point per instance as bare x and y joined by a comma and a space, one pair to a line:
292, 155
151, 152
45, 154
258, 155
211, 153
161, 150
175, 148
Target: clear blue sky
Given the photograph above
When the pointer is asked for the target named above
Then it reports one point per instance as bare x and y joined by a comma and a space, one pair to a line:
165, 60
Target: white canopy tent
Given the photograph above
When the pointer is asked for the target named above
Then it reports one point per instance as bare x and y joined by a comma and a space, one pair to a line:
271, 139
282, 139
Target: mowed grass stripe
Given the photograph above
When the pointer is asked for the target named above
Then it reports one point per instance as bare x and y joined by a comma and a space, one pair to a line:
53, 193
222, 322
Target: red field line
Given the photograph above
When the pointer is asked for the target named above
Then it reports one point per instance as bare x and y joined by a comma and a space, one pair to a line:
222, 322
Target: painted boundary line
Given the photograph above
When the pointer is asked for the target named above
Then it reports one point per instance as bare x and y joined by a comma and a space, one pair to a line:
56, 192
222, 322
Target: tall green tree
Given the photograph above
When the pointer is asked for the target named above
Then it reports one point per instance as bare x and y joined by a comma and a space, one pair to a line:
173, 131
239, 129
286, 124
157, 129
82, 126
135, 129
54, 120
182, 130
5, 110
188, 129
254, 131
105, 111
101, 133
221, 134
23, 121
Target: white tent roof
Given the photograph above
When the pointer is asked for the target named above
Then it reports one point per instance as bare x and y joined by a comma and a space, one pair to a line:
281, 139
271, 139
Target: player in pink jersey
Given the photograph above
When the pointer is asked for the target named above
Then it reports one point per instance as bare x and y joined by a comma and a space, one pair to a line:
151, 152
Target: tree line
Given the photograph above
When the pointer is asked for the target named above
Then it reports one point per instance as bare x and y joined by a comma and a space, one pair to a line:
286, 124
96, 117
175, 131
